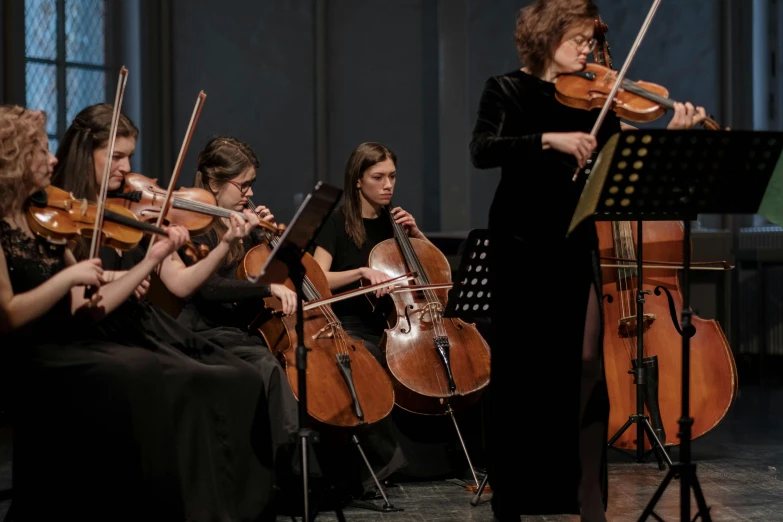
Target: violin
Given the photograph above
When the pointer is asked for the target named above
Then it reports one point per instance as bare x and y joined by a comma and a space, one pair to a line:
193, 208
346, 385
144, 198
436, 362
634, 101
57, 216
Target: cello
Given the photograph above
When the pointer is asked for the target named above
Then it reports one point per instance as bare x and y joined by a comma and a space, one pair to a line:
346, 385
435, 362
713, 376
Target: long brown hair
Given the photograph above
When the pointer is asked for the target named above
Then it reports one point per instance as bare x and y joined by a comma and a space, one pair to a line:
223, 159
22, 133
541, 26
362, 158
75, 170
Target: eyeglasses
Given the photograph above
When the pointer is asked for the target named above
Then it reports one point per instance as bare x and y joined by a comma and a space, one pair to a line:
244, 187
581, 43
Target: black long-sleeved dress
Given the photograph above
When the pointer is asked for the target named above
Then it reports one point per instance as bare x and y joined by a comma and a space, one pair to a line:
221, 310
540, 289
136, 418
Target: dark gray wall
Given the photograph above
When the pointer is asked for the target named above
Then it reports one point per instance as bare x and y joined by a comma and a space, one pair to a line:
408, 73
255, 62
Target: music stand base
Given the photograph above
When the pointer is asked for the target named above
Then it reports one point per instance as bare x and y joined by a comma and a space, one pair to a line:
657, 448
686, 472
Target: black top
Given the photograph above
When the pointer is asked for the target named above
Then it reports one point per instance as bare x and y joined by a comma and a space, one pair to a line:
347, 256
223, 299
31, 261
536, 196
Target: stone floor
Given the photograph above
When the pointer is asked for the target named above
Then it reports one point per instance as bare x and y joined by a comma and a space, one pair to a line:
737, 467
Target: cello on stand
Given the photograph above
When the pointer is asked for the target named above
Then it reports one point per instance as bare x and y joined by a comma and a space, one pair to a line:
634, 264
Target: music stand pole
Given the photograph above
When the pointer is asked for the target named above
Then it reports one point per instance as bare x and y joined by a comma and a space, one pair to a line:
296, 272
684, 469
286, 261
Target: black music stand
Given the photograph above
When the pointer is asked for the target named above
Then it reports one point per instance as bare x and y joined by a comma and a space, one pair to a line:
469, 300
658, 174
285, 261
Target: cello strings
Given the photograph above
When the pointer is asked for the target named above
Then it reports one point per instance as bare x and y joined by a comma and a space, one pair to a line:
433, 303
311, 293
624, 274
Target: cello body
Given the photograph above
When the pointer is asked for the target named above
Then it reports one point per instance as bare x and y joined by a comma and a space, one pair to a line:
331, 398
418, 332
713, 375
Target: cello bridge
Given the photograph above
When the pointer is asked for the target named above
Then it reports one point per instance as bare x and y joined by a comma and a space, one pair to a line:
626, 326
328, 326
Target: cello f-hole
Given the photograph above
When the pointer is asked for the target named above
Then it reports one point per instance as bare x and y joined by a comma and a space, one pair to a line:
407, 318
609, 298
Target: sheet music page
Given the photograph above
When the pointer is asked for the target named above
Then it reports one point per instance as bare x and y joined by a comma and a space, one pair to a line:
771, 207
588, 201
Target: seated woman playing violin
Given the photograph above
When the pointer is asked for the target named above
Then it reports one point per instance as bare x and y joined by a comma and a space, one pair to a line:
523, 129
223, 307
222, 436
91, 434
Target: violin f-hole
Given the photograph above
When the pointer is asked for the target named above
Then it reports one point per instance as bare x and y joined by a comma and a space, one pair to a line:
608, 298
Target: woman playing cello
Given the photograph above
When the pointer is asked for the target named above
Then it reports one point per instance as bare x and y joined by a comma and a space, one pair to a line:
522, 129
343, 249
223, 445
223, 307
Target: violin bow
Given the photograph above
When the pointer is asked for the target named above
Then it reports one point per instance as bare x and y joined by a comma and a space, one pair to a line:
178, 165
101, 204
621, 75
97, 230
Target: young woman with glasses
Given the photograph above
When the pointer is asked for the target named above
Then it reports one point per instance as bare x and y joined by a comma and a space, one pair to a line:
222, 309
222, 446
534, 139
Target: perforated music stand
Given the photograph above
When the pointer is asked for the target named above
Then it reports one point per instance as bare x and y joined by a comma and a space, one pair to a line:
469, 299
285, 261
661, 174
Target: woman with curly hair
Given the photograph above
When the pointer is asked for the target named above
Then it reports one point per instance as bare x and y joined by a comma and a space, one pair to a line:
92, 439
538, 143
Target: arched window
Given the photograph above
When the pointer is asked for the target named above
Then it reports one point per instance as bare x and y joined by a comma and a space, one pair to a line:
65, 59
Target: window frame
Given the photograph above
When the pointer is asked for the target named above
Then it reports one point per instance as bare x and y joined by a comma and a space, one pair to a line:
62, 64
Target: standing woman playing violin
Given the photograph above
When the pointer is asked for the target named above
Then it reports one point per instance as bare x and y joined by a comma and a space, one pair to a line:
92, 439
223, 307
224, 447
558, 390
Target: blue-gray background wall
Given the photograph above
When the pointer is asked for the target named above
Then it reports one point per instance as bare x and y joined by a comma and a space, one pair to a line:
408, 73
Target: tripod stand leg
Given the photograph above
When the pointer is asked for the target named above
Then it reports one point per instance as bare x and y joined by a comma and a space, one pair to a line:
475, 500
657, 446
704, 511
648, 510
620, 432
387, 506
